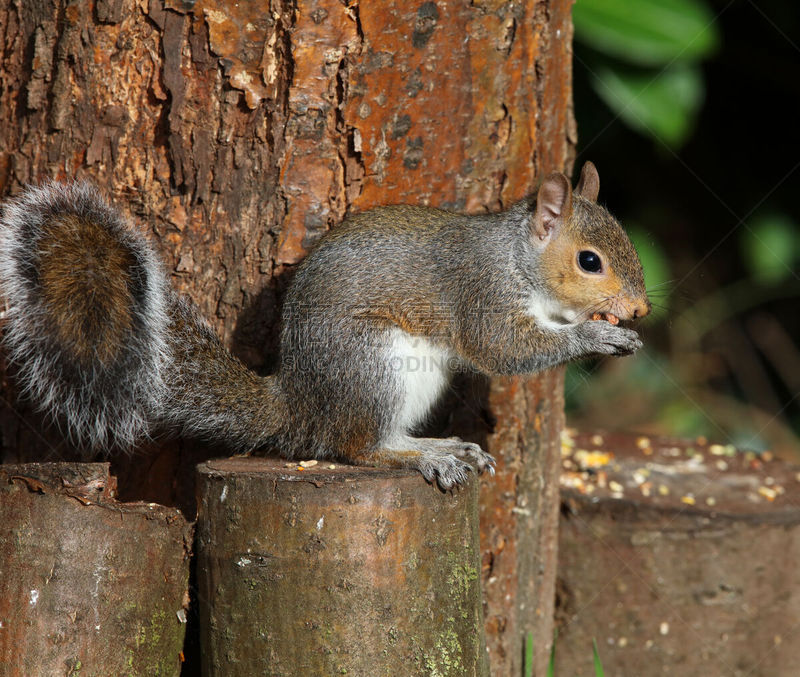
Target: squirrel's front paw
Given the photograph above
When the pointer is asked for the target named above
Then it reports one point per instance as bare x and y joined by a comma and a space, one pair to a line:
606, 339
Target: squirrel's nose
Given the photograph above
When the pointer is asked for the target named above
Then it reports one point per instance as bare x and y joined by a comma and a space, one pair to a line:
641, 308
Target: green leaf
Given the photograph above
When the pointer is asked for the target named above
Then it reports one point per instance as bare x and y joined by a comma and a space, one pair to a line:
647, 32
655, 266
770, 245
662, 105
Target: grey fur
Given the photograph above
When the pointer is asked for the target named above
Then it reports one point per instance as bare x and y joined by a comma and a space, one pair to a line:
102, 407
426, 280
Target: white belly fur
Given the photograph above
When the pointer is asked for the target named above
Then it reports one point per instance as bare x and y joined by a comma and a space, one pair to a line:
423, 370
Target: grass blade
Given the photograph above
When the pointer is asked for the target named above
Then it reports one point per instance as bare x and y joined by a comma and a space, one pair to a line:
598, 666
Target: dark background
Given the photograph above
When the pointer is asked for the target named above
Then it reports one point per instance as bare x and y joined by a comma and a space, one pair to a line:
714, 212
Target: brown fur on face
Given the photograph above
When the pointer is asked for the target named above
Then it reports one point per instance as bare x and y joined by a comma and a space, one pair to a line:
619, 288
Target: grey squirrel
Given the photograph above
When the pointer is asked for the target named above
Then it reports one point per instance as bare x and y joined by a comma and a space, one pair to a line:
378, 316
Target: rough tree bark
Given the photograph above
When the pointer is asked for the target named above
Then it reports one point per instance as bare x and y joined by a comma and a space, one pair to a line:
240, 134
678, 558
88, 585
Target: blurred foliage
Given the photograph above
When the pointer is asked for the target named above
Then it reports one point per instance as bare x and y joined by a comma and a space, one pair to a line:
647, 32
661, 104
770, 247
655, 265
646, 61
688, 108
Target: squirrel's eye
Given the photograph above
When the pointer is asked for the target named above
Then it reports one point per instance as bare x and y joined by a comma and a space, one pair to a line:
590, 261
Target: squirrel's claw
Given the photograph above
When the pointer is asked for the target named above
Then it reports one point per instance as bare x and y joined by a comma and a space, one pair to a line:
473, 454
602, 338
450, 462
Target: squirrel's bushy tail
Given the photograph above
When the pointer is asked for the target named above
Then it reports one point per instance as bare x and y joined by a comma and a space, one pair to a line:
86, 321
101, 341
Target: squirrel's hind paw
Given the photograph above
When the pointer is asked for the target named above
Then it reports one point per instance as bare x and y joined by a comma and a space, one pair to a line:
448, 462
471, 452
444, 470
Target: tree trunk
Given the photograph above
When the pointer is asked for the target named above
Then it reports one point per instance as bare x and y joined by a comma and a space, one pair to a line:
328, 571
88, 586
677, 558
241, 134
519, 521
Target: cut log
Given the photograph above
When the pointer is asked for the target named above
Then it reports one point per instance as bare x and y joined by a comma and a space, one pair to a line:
329, 571
678, 558
88, 585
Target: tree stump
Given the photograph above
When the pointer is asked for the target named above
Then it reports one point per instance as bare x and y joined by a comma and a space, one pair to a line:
329, 571
88, 586
678, 558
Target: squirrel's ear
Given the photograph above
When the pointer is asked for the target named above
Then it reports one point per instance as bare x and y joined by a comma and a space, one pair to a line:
553, 204
589, 184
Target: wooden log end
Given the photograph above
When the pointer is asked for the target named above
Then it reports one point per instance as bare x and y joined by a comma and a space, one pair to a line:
343, 570
88, 584
677, 554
